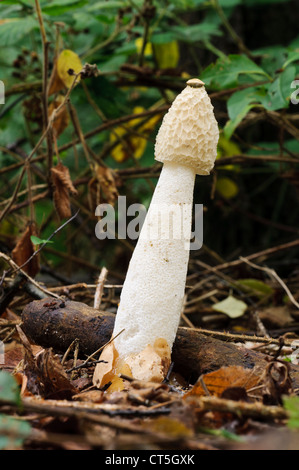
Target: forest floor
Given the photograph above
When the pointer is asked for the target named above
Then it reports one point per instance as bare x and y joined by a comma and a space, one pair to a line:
233, 383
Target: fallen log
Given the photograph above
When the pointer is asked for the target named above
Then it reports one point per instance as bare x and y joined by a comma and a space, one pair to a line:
56, 324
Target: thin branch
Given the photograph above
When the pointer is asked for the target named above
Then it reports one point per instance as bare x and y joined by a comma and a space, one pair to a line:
45, 44
35, 283
100, 288
263, 253
37, 146
273, 274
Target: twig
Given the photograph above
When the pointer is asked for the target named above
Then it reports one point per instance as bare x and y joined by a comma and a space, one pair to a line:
273, 274
259, 254
71, 346
45, 44
100, 349
234, 337
100, 288
17, 268
14, 196
37, 146
112, 123
239, 408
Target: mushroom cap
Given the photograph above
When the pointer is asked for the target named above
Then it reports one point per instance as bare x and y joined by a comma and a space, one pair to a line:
189, 131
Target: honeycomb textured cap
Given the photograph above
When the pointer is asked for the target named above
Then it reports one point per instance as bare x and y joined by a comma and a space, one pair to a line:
189, 131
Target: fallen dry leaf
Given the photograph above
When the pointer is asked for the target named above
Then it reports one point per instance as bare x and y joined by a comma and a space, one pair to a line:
42, 373
217, 382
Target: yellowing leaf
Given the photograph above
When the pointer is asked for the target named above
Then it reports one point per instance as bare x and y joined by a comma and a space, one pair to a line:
167, 55
231, 307
221, 379
169, 426
68, 60
226, 187
132, 141
227, 147
8, 20
148, 48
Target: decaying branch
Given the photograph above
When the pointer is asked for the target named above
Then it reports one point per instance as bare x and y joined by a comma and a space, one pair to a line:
56, 323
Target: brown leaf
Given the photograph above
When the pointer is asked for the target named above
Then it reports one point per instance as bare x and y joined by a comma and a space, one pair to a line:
169, 426
62, 118
276, 382
24, 249
42, 373
63, 186
107, 181
217, 382
55, 82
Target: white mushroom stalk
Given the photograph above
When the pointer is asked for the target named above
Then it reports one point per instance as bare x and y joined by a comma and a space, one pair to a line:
153, 292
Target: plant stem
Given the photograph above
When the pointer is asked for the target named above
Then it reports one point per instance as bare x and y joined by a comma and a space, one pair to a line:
45, 44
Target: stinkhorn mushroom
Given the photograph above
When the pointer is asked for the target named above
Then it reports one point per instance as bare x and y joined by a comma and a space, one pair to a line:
152, 296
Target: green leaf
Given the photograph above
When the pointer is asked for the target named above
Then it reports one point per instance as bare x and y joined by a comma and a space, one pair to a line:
13, 30
279, 92
38, 241
252, 3
196, 32
260, 288
231, 306
293, 56
271, 96
58, 8
239, 104
225, 73
9, 389
291, 404
98, 6
13, 432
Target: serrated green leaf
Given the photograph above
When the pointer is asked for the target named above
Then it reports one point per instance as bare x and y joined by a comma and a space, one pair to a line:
239, 104
279, 92
196, 32
59, 8
13, 30
98, 6
226, 71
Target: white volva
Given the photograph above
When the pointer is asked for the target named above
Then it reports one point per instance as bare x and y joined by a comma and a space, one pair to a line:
152, 296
